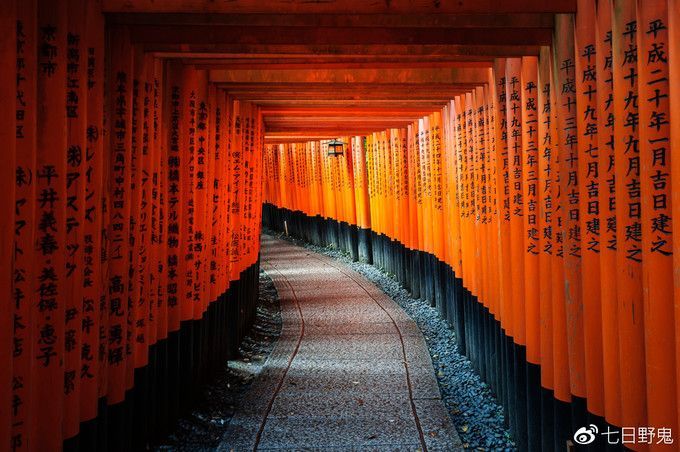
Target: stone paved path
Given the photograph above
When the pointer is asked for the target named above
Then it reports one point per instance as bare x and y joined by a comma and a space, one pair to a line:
351, 370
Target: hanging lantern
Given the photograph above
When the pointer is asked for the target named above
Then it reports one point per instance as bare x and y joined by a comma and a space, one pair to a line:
335, 148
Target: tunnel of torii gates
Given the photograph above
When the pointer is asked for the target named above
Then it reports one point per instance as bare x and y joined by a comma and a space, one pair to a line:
509, 162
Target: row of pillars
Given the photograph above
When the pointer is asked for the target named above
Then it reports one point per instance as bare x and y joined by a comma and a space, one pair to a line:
130, 219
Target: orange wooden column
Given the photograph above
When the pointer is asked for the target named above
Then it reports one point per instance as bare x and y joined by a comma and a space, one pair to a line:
188, 93
142, 194
514, 136
437, 175
628, 216
461, 197
49, 265
315, 196
255, 183
468, 192
19, 349
559, 317
229, 178
174, 179
249, 173
283, 177
567, 134
210, 264
674, 108
236, 162
477, 152
201, 193
589, 185
348, 174
607, 217
76, 181
121, 83
451, 207
447, 178
394, 187
92, 360
225, 194
245, 199
360, 183
546, 209
503, 183
530, 137
426, 184
413, 201
655, 184
492, 194
312, 194
378, 170
403, 188
319, 174
216, 204
157, 257
460, 200
467, 182
133, 247
8, 131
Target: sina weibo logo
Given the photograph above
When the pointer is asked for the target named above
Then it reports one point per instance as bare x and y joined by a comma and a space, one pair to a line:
585, 435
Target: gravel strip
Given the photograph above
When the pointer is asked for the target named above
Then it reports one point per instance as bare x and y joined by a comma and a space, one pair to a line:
472, 406
205, 426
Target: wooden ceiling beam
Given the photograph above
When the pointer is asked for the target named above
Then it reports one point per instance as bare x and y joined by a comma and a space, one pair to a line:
327, 111
301, 137
265, 101
516, 20
341, 6
277, 35
350, 86
184, 50
336, 127
301, 64
351, 77
336, 62
293, 58
356, 103
346, 98
320, 122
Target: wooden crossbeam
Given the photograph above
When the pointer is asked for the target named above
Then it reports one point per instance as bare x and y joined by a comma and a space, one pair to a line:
328, 111
184, 50
301, 64
350, 77
357, 103
526, 19
278, 35
342, 6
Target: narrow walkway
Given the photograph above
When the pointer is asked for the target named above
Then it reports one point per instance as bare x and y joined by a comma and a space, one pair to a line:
351, 370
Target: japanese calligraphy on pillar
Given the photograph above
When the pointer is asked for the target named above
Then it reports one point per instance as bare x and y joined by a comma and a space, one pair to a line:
628, 209
545, 215
119, 220
607, 217
530, 186
188, 225
589, 203
567, 133
24, 228
94, 298
200, 190
49, 284
655, 185
76, 180
174, 179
